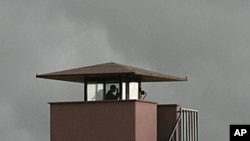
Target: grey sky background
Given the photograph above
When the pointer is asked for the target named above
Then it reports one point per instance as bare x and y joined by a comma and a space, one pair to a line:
206, 40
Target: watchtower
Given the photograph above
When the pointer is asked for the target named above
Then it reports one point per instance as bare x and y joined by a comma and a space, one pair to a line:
113, 108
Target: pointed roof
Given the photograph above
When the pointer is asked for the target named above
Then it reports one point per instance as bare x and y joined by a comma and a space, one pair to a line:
109, 71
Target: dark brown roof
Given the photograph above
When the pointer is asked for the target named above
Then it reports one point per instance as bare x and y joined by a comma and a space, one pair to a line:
109, 71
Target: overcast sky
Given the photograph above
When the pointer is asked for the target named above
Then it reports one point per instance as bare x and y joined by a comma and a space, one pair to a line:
206, 40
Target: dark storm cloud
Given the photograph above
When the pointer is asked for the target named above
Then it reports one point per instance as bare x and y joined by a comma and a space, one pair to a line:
35, 40
206, 40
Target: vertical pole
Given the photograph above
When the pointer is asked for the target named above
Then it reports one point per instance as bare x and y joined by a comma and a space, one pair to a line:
96, 91
192, 125
85, 90
127, 90
186, 126
195, 138
139, 90
183, 127
104, 90
120, 89
190, 129
197, 135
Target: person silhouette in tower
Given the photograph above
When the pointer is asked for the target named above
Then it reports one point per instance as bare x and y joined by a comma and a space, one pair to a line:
112, 94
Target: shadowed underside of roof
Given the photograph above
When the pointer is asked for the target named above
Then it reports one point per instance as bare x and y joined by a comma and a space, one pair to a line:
110, 71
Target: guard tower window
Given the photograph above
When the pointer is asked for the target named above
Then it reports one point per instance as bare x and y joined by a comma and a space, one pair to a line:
133, 90
98, 91
95, 92
103, 91
113, 92
130, 90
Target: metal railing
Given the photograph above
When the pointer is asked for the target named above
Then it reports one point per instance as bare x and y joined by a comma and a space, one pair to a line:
186, 126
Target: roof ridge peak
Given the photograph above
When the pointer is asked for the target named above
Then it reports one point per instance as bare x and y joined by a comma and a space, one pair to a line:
128, 67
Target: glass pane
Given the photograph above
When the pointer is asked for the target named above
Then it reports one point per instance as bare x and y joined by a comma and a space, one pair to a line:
112, 91
133, 90
95, 92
